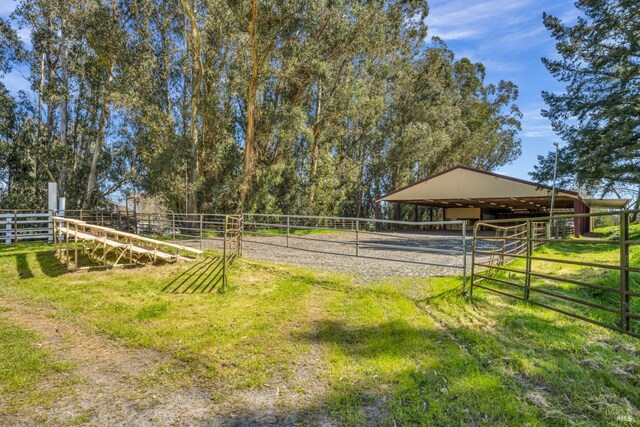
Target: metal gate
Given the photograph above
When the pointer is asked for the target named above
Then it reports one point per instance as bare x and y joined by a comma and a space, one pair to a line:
509, 258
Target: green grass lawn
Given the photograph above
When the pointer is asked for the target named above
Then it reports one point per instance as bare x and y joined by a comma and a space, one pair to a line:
396, 352
613, 232
605, 252
24, 362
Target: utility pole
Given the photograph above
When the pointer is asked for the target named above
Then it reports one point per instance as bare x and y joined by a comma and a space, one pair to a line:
555, 174
553, 189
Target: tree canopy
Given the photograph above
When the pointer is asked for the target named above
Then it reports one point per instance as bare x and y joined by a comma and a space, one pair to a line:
280, 106
598, 114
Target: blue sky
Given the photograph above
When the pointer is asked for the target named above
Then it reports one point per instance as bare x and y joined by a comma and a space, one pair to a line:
507, 36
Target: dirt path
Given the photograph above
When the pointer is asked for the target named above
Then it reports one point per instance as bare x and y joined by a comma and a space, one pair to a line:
292, 401
110, 378
115, 385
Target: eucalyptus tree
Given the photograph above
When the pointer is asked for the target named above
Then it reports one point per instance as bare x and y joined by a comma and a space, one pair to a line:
294, 106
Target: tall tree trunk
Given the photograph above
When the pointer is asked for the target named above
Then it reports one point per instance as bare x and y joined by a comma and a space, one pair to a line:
76, 145
315, 146
252, 95
40, 95
63, 108
197, 74
100, 139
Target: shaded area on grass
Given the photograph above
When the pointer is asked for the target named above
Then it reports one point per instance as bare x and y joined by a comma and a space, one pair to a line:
203, 276
22, 266
49, 264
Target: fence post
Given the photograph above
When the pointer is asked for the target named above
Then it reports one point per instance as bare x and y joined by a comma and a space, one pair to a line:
15, 226
75, 248
50, 225
173, 226
288, 230
200, 231
527, 278
7, 228
224, 255
55, 237
473, 257
241, 237
464, 257
66, 252
357, 237
624, 271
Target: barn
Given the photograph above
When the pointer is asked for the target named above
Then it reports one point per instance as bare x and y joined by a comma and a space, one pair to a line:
465, 193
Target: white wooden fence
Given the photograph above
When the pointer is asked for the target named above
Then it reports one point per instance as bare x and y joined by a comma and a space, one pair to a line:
25, 226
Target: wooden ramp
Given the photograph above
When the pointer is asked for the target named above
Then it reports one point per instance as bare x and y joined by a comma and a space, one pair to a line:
111, 247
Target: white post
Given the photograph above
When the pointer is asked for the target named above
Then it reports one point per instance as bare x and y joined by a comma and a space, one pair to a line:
52, 206
62, 205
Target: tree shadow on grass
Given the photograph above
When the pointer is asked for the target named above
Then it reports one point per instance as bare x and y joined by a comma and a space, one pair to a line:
50, 264
47, 262
393, 338
22, 266
202, 277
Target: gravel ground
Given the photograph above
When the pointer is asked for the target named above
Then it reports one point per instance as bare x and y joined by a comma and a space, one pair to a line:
406, 254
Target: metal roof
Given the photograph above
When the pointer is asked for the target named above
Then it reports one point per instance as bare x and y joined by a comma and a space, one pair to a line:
465, 186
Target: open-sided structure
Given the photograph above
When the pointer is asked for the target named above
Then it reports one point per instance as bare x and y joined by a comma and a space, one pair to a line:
470, 194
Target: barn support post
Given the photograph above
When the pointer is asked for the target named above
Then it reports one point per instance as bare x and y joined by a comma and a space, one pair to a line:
581, 225
398, 211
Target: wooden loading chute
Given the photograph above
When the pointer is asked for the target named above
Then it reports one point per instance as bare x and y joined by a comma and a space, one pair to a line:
111, 247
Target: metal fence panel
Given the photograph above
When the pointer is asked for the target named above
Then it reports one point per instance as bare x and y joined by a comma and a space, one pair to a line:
518, 240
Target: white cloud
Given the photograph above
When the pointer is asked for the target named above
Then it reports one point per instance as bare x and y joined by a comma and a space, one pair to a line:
454, 13
491, 62
461, 19
499, 25
542, 131
454, 34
